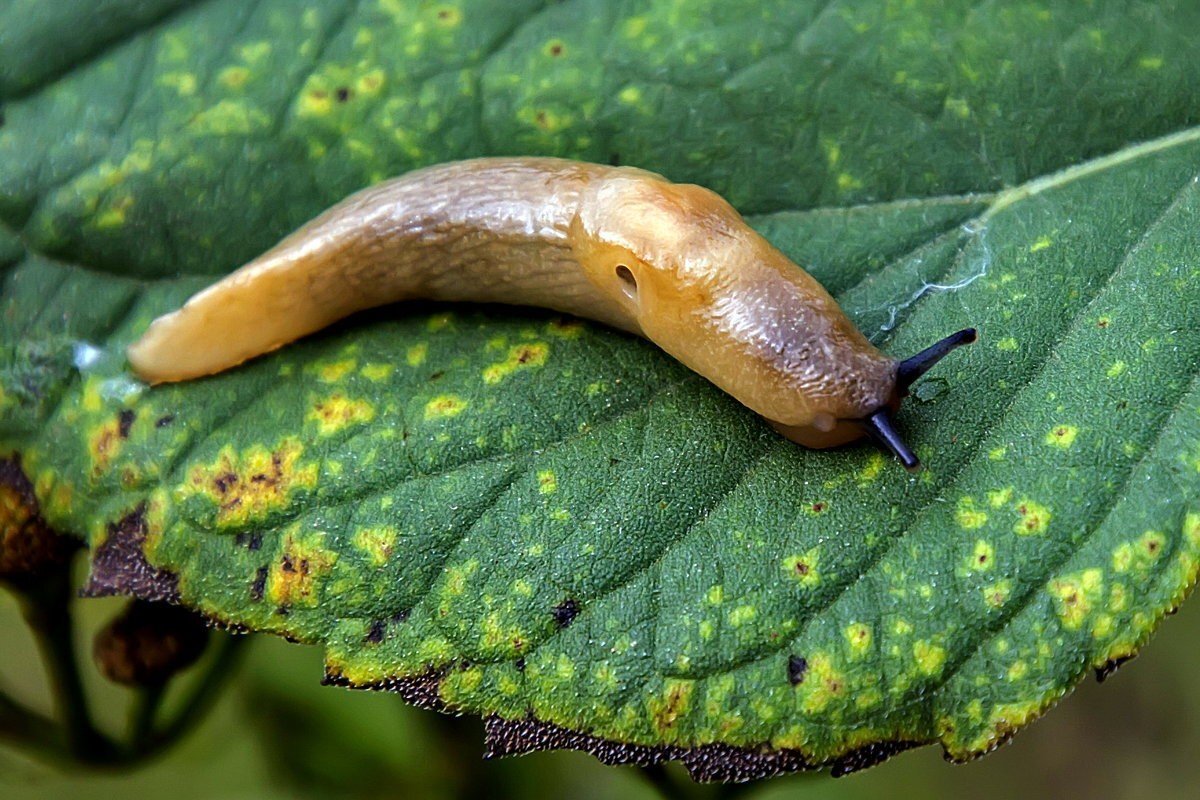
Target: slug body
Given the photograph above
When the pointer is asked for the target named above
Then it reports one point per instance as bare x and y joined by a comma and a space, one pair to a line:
673, 263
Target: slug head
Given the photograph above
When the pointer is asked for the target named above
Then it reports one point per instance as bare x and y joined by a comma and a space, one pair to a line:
702, 285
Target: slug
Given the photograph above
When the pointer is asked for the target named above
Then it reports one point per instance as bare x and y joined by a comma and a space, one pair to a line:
673, 263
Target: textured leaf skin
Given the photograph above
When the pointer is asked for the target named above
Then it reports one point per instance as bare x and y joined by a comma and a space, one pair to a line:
522, 516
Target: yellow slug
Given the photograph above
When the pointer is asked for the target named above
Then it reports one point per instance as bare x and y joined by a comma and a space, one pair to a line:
674, 263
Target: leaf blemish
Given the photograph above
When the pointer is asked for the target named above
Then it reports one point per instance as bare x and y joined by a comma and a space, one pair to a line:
521, 356
444, 406
295, 579
250, 541
565, 612
1062, 436
252, 484
1034, 517
125, 422
338, 411
803, 567
796, 669
259, 585
377, 631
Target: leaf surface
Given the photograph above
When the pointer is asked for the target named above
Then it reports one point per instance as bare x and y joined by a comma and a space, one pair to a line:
554, 525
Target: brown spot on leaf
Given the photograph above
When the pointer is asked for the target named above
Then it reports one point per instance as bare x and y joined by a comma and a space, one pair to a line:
565, 612
376, 633
119, 565
302, 564
796, 669
1106, 670
342, 94
29, 548
259, 585
249, 485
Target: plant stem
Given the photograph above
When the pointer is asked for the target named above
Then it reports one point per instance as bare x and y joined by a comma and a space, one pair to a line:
29, 729
147, 742
658, 777
47, 611
145, 712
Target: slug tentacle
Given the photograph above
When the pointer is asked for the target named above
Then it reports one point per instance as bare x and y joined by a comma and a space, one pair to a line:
671, 262
913, 367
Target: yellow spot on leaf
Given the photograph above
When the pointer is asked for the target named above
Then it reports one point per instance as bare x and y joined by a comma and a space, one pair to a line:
253, 52
1018, 670
440, 322
547, 482
1032, 518
230, 118
958, 107
1000, 497
1041, 244
741, 615
824, 683
1075, 595
565, 328
968, 516
448, 16
234, 77
377, 372
1191, 530
998, 593
249, 485
929, 657
1062, 436
673, 703
1116, 369
1151, 62
457, 576
630, 95
444, 406
370, 83
858, 634
104, 444
334, 372
802, 568
377, 543
415, 356
338, 411
521, 356
295, 575
983, 556
874, 467
314, 103
184, 83
1008, 343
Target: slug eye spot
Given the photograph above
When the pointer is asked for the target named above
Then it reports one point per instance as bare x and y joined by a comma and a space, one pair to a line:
628, 282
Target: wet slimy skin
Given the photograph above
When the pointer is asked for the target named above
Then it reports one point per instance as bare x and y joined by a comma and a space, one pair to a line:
673, 263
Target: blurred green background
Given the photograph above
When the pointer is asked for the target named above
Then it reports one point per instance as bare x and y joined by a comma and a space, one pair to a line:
276, 732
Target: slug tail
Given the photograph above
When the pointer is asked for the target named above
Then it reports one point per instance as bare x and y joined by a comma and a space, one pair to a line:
260, 308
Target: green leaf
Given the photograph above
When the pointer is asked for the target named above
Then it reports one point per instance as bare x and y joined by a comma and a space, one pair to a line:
556, 526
